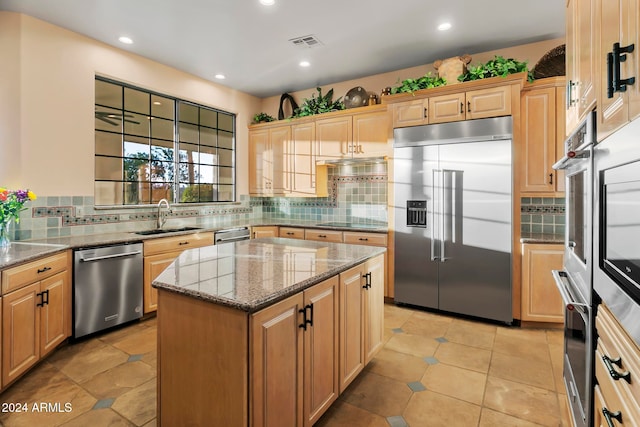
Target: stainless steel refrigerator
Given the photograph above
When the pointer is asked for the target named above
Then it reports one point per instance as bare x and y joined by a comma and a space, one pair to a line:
453, 217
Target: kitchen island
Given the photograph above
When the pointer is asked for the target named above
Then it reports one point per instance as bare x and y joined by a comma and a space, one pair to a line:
265, 332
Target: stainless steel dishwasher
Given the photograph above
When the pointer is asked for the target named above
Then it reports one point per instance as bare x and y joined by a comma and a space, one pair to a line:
231, 235
107, 287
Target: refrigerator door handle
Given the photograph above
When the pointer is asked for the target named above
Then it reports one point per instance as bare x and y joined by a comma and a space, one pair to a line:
434, 187
443, 208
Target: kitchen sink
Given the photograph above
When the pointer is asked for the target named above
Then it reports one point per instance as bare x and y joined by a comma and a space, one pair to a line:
165, 230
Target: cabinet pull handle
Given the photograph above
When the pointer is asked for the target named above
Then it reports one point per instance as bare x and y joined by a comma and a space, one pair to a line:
610, 88
619, 55
303, 325
310, 319
322, 236
289, 233
363, 239
183, 243
44, 298
613, 372
42, 270
425, 113
367, 280
468, 106
551, 178
608, 415
461, 108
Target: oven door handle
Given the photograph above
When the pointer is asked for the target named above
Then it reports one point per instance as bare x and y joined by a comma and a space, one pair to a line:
562, 280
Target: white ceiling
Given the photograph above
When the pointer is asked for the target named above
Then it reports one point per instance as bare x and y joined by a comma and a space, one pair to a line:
249, 43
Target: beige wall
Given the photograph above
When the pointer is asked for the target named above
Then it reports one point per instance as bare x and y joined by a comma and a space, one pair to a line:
47, 103
374, 84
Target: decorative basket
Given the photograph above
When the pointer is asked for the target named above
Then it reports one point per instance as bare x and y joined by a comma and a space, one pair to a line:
551, 64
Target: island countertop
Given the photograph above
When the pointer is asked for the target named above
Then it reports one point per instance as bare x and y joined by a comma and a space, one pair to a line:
252, 274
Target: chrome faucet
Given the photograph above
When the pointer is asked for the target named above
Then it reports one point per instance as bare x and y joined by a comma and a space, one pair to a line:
162, 214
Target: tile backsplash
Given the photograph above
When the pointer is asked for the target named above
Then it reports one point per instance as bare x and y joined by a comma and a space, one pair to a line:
542, 215
357, 193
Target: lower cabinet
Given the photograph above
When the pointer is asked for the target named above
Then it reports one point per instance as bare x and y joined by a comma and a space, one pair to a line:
264, 231
281, 366
294, 364
36, 314
617, 367
541, 300
159, 253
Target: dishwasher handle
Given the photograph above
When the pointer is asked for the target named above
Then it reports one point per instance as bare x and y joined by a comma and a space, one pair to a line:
98, 258
231, 239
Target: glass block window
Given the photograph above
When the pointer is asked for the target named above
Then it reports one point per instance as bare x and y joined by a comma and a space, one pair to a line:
150, 147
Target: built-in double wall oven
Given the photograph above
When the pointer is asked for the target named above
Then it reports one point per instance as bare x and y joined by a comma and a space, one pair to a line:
574, 281
617, 226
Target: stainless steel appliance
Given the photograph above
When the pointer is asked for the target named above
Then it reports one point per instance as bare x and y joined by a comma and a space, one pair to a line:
231, 235
107, 287
575, 280
617, 226
453, 217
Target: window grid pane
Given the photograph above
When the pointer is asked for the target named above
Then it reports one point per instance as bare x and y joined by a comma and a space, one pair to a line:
137, 135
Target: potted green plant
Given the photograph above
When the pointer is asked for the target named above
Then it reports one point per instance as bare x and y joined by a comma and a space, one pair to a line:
318, 105
498, 66
425, 82
262, 117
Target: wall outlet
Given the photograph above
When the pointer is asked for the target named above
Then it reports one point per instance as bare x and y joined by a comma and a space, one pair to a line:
79, 211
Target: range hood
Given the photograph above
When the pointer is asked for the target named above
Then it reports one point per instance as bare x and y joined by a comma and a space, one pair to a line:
352, 161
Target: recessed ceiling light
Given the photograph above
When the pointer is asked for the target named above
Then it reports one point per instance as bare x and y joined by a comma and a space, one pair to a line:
304, 63
220, 76
444, 26
267, 2
125, 40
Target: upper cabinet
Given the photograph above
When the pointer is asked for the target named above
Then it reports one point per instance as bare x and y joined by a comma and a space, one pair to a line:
618, 64
452, 107
542, 137
580, 61
283, 158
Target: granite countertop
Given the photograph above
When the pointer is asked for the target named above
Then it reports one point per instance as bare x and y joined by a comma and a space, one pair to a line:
23, 251
252, 274
541, 238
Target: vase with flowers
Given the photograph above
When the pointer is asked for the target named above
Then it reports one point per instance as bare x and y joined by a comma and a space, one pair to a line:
11, 203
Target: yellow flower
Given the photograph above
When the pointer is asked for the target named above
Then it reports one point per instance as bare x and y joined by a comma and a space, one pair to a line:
31, 195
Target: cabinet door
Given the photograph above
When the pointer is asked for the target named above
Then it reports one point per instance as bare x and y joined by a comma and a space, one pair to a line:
276, 365
292, 233
351, 360
585, 57
371, 134
259, 162
492, 102
321, 349
541, 301
334, 136
20, 331
633, 59
411, 113
153, 266
268, 231
560, 135
55, 317
302, 159
447, 108
613, 112
323, 235
571, 64
374, 307
539, 140
279, 139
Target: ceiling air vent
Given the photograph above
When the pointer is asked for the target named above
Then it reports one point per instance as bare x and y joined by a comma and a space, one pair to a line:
306, 41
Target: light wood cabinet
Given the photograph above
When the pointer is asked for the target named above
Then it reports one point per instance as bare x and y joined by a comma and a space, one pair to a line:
159, 253
410, 113
36, 314
323, 235
452, 107
264, 231
617, 366
580, 58
542, 137
267, 174
300, 158
618, 24
361, 317
292, 232
541, 300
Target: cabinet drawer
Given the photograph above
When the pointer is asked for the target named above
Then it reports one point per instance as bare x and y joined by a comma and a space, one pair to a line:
292, 233
17, 277
169, 244
323, 235
492, 102
614, 343
614, 395
373, 239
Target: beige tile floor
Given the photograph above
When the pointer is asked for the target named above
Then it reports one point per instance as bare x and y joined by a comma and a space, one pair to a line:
434, 370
